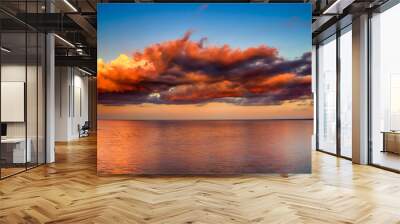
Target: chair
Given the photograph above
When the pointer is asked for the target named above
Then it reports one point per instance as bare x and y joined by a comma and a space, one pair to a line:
84, 130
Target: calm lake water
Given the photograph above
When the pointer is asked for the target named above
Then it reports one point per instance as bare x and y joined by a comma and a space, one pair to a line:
204, 147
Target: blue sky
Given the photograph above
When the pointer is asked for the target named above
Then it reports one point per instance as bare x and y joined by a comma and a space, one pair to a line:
126, 28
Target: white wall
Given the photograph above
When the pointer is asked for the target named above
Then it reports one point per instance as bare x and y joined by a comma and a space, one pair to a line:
16, 73
80, 110
61, 103
71, 102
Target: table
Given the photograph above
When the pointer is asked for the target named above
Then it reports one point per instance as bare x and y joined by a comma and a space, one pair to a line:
18, 151
391, 141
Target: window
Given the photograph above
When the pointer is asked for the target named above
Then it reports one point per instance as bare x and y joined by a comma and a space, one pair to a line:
346, 92
326, 95
385, 89
22, 88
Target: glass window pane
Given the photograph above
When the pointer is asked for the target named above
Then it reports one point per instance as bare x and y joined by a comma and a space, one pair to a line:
31, 97
346, 93
22, 88
327, 96
385, 84
14, 153
32, 87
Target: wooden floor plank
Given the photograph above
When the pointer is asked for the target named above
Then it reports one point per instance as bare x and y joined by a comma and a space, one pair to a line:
69, 191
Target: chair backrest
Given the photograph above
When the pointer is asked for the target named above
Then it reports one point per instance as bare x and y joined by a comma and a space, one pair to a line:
86, 125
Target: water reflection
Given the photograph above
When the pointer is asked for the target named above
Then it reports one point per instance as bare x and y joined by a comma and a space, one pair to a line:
204, 147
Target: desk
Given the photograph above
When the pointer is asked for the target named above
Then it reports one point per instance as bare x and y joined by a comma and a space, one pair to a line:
18, 151
391, 141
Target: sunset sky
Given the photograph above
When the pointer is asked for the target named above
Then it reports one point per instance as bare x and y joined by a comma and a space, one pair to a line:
204, 61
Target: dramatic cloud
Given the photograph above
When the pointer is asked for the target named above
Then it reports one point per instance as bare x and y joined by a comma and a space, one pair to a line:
191, 72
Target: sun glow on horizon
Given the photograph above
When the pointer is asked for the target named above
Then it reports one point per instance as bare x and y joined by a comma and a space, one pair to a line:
210, 111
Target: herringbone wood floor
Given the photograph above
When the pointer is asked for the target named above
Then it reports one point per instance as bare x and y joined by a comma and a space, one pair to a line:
70, 192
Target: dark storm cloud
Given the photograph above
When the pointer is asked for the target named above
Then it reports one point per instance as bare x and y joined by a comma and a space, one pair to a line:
188, 72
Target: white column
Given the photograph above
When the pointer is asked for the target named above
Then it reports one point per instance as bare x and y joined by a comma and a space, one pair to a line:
63, 102
360, 90
50, 99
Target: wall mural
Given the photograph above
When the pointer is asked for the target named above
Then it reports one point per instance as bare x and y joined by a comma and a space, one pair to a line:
204, 88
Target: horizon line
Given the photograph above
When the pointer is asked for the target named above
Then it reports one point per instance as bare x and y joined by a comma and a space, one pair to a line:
205, 119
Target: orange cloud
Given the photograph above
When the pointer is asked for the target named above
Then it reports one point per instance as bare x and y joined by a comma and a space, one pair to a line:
279, 81
183, 71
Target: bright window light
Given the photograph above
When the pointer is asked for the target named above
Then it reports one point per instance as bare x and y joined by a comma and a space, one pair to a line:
64, 40
70, 5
